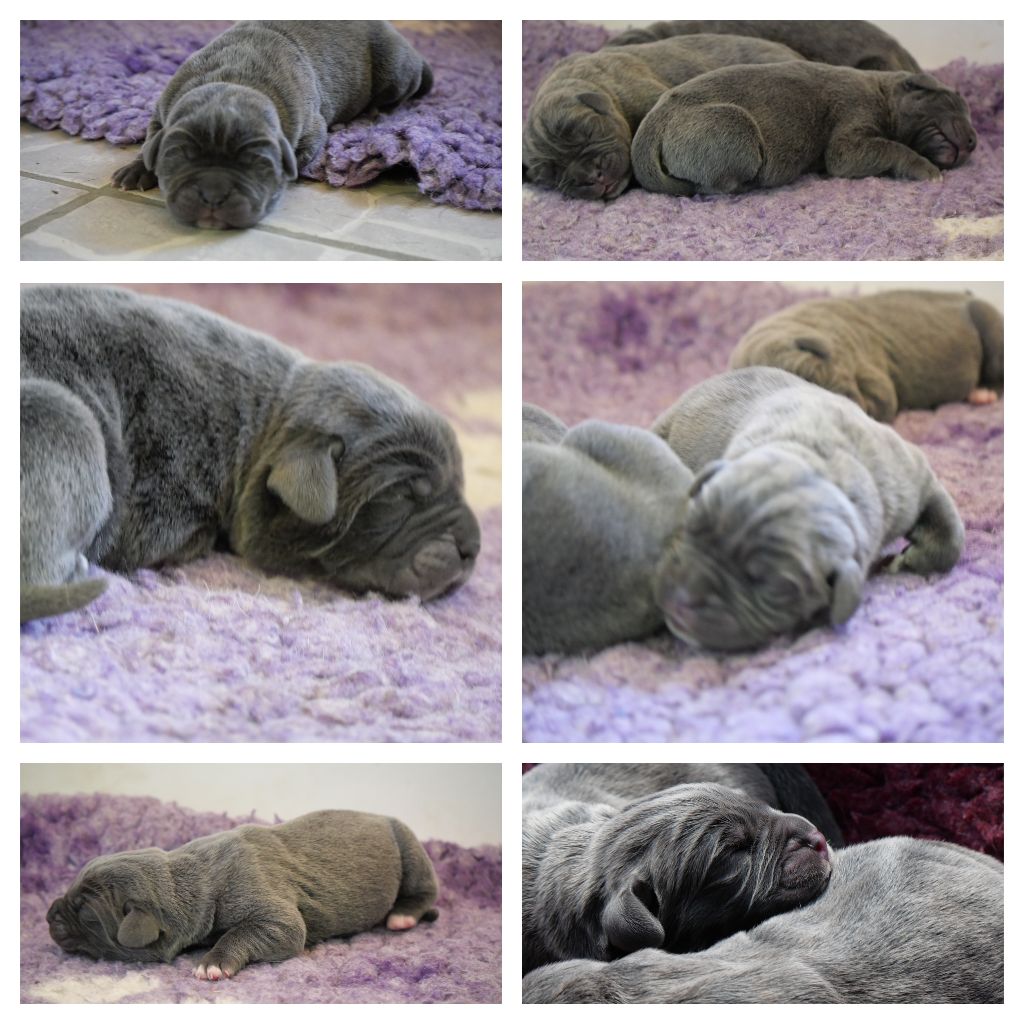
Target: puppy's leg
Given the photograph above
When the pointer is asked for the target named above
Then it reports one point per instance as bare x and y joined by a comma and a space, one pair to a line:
418, 891
936, 539
855, 154
277, 932
988, 322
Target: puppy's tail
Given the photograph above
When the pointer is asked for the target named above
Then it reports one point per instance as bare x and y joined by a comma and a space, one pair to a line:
40, 602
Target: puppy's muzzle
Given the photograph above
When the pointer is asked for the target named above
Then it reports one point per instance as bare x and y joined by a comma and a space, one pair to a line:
212, 199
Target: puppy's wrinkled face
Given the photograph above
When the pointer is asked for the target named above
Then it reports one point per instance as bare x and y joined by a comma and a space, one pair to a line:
223, 161
696, 863
767, 545
934, 121
579, 144
364, 493
112, 912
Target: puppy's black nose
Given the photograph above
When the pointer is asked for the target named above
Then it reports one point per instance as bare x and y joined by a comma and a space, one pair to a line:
213, 189
467, 536
972, 141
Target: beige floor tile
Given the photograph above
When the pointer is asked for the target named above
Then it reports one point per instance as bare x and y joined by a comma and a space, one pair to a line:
79, 161
39, 197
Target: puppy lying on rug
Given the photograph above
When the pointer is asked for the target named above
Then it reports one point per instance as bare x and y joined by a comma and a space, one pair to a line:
742, 128
243, 115
621, 857
600, 504
264, 893
886, 352
153, 431
581, 122
797, 493
902, 921
854, 44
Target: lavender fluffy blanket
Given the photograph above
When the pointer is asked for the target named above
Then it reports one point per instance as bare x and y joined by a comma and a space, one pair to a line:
920, 661
214, 651
816, 218
456, 959
101, 80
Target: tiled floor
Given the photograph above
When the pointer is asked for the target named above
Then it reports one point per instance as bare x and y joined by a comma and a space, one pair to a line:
69, 211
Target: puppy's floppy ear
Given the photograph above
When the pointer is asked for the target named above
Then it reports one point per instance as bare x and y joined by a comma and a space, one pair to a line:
627, 921
138, 929
705, 475
305, 478
151, 148
922, 81
846, 582
288, 164
596, 101
813, 346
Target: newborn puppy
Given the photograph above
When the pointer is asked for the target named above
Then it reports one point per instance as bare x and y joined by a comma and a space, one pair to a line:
797, 493
255, 892
153, 432
896, 350
581, 122
854, 44
742, 128
600, 505
902, 921
247, 112
620, 857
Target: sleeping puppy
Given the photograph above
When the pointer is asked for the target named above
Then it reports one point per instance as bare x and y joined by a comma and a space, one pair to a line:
621, 857
153, 432
254, 892
854, 44
600, 505
581, 122
243, 115
896, 350
797, 493
902, 921
743, 128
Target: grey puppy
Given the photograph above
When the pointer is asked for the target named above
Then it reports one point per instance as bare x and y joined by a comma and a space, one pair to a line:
621, 857
742, 128
902, 921
891, 351
600, 505
855, 44
243, 115
797, 493
255, 892
581, 121
153, 432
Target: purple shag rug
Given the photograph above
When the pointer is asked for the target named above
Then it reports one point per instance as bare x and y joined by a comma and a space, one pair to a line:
816, 218
455, 959
215, 651
920, 661
101, 80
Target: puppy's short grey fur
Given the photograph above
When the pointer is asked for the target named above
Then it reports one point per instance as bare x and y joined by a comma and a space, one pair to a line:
891, 351
902, 921
743, 128
153, 431
582, 119
256, 892
619, 857
243, 115
854, 44
797, 493
600, 504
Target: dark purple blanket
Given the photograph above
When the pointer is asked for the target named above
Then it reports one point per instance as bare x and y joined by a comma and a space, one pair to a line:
456, 959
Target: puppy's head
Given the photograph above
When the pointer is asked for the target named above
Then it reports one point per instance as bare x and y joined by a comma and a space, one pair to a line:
578, 143
697, 863
933, 120
358, 483
117, 909
222, 160
767, 544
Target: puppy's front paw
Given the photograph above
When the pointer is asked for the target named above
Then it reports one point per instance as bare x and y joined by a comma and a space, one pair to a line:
212, 971
134, 176
926, 172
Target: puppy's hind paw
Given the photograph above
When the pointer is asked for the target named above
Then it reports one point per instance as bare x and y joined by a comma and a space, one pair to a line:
983, 396
400, 922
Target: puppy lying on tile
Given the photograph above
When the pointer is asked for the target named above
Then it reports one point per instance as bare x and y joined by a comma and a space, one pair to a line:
153, 432
600, 503
887, 352
797, 493
743, 128
245, 114
621, 857
256, 892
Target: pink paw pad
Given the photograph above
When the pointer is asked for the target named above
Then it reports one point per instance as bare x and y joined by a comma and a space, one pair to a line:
982, 396
400, 922
211, 972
